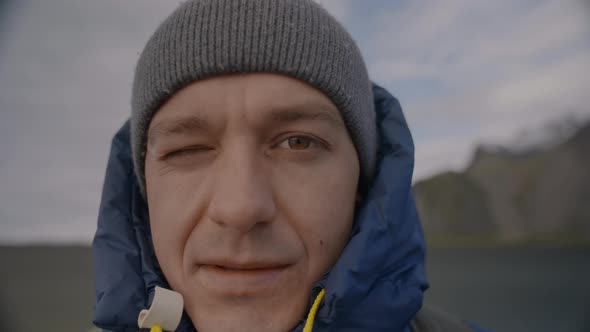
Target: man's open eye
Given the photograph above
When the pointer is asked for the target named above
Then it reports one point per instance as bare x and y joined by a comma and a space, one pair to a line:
297, 143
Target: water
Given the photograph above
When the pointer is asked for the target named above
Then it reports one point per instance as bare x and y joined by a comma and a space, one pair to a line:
517, 289
513, 289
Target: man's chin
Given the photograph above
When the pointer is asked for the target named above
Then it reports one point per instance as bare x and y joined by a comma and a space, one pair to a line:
252, 316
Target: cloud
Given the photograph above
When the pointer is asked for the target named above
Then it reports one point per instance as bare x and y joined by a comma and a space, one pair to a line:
445, 154
341, 9
481, 71
465, 72
65, 83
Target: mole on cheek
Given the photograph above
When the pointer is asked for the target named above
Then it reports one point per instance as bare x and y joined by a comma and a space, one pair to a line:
322, 243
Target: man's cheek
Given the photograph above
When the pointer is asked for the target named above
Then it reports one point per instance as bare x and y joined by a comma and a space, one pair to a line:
166, 237
169, 257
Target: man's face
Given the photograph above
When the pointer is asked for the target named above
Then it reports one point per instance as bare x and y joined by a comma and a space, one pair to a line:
251, 185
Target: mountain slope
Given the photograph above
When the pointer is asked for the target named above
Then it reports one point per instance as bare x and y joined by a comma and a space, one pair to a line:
535, 195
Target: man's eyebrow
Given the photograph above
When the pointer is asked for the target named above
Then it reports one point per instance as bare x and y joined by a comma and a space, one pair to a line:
306, 111
185, 124
286, 114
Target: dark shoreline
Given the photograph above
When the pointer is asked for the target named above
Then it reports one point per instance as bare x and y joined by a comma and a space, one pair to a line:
50, 287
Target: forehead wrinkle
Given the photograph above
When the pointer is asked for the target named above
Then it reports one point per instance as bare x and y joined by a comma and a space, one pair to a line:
177, 126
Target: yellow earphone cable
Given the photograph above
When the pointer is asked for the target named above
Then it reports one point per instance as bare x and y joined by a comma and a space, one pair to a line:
156, 328
313, 311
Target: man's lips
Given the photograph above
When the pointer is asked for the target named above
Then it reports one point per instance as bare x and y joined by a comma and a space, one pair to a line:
242, 278
253, 266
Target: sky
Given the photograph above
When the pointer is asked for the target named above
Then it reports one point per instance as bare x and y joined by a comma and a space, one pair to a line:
466, 73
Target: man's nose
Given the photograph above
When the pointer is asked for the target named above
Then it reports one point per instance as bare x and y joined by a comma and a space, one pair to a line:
243, 197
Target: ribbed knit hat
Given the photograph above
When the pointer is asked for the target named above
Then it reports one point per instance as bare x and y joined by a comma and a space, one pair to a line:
298, 38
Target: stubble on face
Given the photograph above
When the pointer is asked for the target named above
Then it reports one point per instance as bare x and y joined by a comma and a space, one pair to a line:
251, 185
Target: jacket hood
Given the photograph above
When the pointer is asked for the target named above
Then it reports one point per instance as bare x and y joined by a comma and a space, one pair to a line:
377, 283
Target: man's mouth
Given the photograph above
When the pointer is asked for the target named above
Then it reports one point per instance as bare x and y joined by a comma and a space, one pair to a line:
242, 279
227, 267
247, 267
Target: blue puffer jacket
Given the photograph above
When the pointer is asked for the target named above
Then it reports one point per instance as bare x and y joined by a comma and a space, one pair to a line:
376, 285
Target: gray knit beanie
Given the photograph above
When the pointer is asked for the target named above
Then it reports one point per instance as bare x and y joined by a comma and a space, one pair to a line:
298, 38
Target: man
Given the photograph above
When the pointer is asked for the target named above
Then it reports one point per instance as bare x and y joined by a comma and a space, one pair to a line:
263, 178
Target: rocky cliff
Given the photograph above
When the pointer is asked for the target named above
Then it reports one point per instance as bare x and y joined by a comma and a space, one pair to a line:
539, 194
